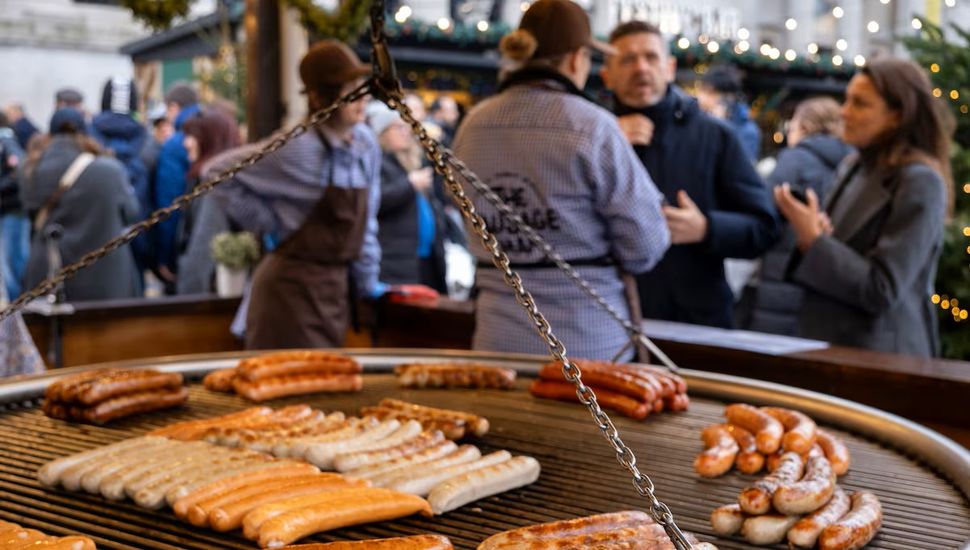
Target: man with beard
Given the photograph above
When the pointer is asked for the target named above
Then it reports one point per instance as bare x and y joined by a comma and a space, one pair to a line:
717, 206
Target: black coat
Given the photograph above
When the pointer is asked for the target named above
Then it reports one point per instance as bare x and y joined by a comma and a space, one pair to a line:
701, 155
397, 231
809, 165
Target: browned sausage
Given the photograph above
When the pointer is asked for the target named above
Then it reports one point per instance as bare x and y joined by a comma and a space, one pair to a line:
835, 450
719, 452
588, 525
300, 384
811, 492
767, 431
749, 460
454, 375
677, 402
805, 533
727, 520
565, 391
125, 383
127, 405
475, 424
856, 528
63, 388
799, 429
287, 363
417, 542
219, 380
767, 528
606, 377
756, 500
452, 428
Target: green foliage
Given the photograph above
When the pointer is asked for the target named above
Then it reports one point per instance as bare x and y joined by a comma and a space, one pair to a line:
158, 14
948, 63
345, 24
235, 250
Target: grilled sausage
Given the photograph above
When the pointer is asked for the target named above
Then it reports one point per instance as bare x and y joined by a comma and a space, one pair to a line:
605, 377
50, 473
324, 455
287, 363
835, 450
136, 403
719, 452
125, 383
283, 469
72, 542
220, 380
856, 528
454, 375
465, 453
296, 384
480, 483
477, 425
453, 429
421, 485
360, 459
811, 492
767, 528
417, 542
749, 460
805, 533
196, 429
727, 520
756, 500
799, 429
430, 453
566, 528
767, 431
565, 391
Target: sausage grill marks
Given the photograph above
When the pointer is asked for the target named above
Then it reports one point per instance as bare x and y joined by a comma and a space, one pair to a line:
104, 395
454, 375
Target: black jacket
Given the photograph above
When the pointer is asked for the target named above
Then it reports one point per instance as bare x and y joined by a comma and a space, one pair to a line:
11, 155
397, 231
809, 165
693, 151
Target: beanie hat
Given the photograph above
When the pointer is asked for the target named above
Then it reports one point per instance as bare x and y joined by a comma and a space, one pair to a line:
119, 96
68, 120
380, 116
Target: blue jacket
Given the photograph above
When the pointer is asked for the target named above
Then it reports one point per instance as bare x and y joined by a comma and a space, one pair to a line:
746, 129
701, 155
125, 138
173, 165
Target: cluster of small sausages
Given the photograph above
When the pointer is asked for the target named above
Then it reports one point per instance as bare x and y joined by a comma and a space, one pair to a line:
799, 498
635, 391
288, 373
103, 395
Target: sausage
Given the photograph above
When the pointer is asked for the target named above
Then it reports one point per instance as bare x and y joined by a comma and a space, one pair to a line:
856, 528
125, 383
767, 431
342, 509
360, 459
264, 441
719, 452
465, 453
228, 514
677, 402
805, 533
136, 403
767, 528
195, 429
286, 363
297, 446
811, 492
64, 388
297, 384
73, 542
749, 460
799, 429
670, 382
727, 520
92, 474
237, 436
427, 454
565, 391
323, 455
566, 528
607, 378
483, 482
417, 542
835, 450
434, 474
756, 499
50, 474
19, 537
283, 469
477, 425
454, 375
453, 429
220, 380
111, 479
174, 487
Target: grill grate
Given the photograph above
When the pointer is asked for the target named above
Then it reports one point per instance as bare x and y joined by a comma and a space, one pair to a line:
579, 474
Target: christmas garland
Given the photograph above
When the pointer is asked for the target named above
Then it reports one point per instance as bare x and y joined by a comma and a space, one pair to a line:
157, 14
345, 23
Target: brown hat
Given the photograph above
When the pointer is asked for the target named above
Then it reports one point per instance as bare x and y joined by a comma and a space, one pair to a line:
330, 63
560, 26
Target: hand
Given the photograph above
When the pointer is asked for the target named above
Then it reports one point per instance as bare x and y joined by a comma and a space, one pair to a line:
687, 224
806, 221
166, 274
637, 128
421, 179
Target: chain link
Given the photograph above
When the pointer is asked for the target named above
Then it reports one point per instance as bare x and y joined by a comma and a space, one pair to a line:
445, 164
179, 203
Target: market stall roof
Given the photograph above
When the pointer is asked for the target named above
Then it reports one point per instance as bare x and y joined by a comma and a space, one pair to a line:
186, 40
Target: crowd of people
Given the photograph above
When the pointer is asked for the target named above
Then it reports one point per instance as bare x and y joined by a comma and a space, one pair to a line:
647, 197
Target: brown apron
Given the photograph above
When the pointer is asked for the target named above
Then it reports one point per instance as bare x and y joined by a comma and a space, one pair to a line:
299, 296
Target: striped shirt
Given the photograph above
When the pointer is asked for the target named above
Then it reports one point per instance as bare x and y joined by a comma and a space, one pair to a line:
275, 196
563, 164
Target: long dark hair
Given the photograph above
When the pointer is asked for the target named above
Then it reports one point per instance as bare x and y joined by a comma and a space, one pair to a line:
215, 132
925, 123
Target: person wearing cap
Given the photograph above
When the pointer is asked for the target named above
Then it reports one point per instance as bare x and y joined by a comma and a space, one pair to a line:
124, 138
170, 180
70, 189
717, 206
316, 199
563, 164
719, 94
410, 219
69, 97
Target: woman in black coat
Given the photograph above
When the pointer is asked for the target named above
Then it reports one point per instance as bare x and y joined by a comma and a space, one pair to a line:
410, 221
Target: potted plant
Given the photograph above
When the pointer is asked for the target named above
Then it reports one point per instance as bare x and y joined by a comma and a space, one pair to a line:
234, 254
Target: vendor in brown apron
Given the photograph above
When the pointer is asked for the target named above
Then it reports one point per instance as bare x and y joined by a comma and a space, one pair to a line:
319, 196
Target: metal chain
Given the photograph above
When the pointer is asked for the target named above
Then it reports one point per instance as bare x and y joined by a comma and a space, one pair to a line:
442, 162
179, 203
